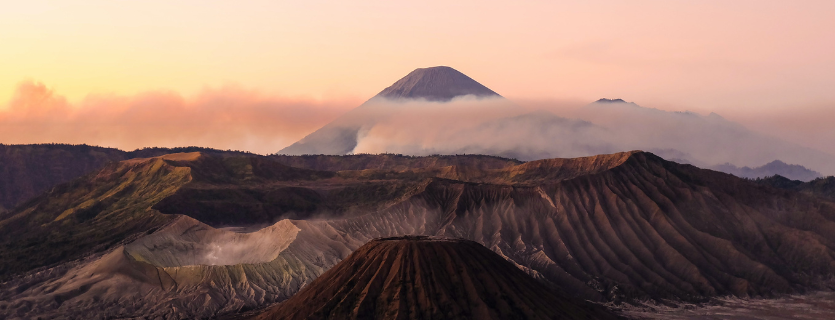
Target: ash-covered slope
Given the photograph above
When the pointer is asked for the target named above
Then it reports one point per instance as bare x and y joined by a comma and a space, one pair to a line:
621, 226
612, 227
416, 277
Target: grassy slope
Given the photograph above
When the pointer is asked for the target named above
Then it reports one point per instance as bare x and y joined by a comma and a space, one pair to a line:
29, 170
87, 215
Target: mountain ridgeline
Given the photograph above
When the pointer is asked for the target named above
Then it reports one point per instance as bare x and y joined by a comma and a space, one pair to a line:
821, 187
776, 167
201, 235
29, 170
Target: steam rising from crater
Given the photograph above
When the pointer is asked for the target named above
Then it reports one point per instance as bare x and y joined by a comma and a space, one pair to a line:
190, 242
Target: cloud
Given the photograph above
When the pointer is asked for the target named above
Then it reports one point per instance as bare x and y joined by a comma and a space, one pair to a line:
225, 118
540, 130
810, 125
480, 126
234, 118
423, 127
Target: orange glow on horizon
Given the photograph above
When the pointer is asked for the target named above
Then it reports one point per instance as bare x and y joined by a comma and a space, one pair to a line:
704, 54
736, 58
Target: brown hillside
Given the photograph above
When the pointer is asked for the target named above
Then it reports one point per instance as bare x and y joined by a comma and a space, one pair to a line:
429, 278
392, 162
620, 227
29, 170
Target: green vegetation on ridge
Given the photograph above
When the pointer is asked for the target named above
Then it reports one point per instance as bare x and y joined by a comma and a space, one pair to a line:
87, 215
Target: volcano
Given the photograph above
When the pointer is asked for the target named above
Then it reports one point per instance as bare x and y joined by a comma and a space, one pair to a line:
440, 84
419, 277
197, 235
434, 85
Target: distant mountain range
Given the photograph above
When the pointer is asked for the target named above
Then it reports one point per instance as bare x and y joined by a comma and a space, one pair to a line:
442, 111
821, 187
776, 167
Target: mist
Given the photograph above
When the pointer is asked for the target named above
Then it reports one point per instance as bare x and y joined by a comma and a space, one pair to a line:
238, 119
477, 126
542, 130
223, 118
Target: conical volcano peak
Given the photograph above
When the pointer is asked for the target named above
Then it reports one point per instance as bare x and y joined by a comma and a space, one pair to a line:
605, 100
419, 277
436, 84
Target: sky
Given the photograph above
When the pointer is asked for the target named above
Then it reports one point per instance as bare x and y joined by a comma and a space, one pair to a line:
766, 64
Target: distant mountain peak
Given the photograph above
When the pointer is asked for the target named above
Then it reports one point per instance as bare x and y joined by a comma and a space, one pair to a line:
776, 167
438, 84
604, 100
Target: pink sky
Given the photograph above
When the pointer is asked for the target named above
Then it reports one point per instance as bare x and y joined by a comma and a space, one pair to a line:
755, 62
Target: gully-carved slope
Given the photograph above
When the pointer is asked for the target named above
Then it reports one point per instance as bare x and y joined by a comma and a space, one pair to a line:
606, 228
429, 278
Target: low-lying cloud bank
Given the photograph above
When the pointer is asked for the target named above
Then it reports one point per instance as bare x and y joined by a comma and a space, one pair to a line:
485, 126
421, 128
223, 118
233, 118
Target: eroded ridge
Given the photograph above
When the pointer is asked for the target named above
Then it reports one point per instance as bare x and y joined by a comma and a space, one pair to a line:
612, 228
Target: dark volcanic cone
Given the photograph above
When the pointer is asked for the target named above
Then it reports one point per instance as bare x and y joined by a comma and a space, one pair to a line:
429, 278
